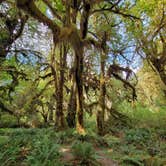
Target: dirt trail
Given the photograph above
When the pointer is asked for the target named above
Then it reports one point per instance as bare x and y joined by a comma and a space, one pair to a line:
102, 158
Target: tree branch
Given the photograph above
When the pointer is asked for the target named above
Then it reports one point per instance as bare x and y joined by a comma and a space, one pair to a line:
116, 11
53, 10
30, 7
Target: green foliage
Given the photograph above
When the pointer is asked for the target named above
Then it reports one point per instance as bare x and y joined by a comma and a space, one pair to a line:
128, 161
140, 136
44, 152
9, 156
29, 147
41, 146
135, 161
151, 94
3, 140
59, 5
83, 151
143, 116
90, 123
29, 87
161, 133
42, 6
61, 136
112, 140
7, 121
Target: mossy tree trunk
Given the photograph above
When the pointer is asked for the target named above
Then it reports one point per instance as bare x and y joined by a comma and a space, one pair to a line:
60, 119
69, 33
79, 91
101, 111
71, 115
77, 44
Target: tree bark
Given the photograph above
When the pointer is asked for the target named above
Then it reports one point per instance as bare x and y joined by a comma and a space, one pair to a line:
71, 34
101, 111
160, 67
79, 91
60, 120
76, 42
71, 116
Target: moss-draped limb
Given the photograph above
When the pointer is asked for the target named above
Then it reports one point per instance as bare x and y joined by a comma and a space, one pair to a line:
30, 7
85, 18
53, 10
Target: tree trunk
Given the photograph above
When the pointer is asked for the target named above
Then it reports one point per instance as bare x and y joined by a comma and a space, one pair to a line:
51, 115
60, 120
79, 91
50, 106
101, 111
77, 44
160, 67
71, 116
45, 117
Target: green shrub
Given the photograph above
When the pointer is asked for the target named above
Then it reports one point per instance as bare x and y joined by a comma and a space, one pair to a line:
43, 152
83, 151
90, 123
140, 136
64, 136
29, 147
143, 116
130, 161
112, 140
10, 151
9, 155
3, 140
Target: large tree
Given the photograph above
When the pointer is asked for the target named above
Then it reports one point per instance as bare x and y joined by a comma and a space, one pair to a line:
77, 24
66, 28
149, 33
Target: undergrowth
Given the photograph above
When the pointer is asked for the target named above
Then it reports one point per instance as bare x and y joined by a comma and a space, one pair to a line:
142, 144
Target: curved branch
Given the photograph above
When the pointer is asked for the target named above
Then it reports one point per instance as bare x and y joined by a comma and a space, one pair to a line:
53, 10
116, 11
30, 7
84, 19
5, 109
113, 69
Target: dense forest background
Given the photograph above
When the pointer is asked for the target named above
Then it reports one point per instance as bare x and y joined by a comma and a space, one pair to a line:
87, 73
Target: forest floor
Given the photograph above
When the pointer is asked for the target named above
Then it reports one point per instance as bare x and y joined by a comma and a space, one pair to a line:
102, 158
47, 147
